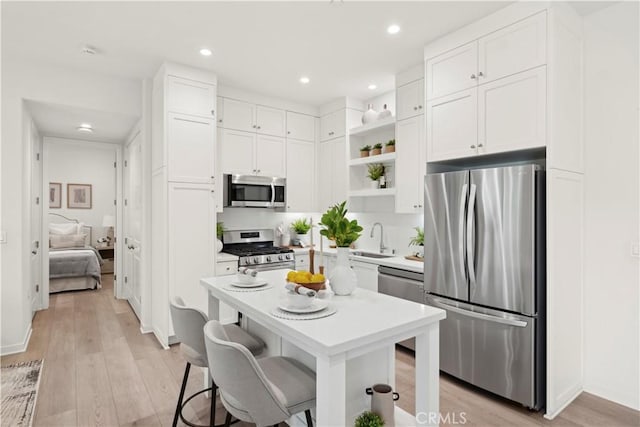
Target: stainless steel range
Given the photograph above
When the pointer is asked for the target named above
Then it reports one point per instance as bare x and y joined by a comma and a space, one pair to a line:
255, 249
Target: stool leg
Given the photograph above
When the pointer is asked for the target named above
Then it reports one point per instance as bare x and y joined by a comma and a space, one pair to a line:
227, 420
212, 419
307, 414
182, 389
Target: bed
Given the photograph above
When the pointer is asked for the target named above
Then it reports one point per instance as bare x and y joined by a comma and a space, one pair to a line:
73, 263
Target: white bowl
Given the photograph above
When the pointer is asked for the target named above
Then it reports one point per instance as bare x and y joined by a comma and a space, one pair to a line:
295, 300
246, 279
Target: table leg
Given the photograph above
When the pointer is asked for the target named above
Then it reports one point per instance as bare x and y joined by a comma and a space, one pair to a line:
428, 376
331, 394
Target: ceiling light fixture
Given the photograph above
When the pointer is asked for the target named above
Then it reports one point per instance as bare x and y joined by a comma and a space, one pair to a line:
372, 86
393, 29
88, 50
304, 80
205, 52
85, 128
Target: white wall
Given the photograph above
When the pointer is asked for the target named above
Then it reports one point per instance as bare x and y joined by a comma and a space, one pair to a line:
83, 162
612, 217
45, 83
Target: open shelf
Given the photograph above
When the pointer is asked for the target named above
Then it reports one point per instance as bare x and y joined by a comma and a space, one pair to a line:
380, 158
388, 122
373, 192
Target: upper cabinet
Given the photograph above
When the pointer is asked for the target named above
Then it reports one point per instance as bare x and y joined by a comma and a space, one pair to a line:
300, 175
301, 126
244, 116
190, 148
191, 97
410, 100
332, 125
410, 165
453, 71
246, 153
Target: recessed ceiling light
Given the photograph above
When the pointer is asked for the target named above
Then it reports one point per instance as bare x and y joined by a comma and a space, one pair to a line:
393, 29
205, 52
372, 86
88, 50
85, 127
304, 80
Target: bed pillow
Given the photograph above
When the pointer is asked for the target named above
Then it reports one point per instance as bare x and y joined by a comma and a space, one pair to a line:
62, 241
64, 228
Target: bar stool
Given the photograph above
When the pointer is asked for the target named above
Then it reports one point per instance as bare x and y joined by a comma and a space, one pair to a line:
188, 324
266, 391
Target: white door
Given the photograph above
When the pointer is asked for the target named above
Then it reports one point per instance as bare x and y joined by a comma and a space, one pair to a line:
132, 214
37, 245
513, 49
512, 112
238, 115
270, 121
410, 100
410, 165
237, 152
301, 126
300, 175
452, 126
190, 97
191, 241
271, 154
339, 176
325, 175
452, 71
191, 148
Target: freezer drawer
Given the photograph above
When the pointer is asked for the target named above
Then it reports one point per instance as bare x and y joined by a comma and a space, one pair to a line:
490, 349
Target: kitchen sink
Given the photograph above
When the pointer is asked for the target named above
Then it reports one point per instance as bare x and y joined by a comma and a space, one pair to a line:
371, 254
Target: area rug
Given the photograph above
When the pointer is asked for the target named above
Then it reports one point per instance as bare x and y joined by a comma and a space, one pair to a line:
19, 389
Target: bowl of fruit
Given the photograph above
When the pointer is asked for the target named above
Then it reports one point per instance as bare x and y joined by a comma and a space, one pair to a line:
306, 279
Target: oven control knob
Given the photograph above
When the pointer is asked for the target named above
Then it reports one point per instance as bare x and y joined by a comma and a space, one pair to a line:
288, 256
268, 258
280, 257
256, 260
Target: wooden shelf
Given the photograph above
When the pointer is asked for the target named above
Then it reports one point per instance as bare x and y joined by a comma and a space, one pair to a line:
380, 158
373, 192
386, 123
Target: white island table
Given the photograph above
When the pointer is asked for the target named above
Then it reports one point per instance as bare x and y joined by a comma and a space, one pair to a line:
349, 351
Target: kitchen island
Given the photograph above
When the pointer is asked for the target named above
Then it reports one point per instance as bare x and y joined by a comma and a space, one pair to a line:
349, 350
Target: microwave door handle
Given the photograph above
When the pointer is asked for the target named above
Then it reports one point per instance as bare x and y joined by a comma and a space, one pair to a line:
470, 235
273, 194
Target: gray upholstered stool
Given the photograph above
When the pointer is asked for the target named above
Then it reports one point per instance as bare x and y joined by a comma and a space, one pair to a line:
266, 391
188, 324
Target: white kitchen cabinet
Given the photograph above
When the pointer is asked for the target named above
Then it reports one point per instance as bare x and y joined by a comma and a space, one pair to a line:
301, 126
191, 148
270, 155
190, 97
410, 100
452, 126
512, 112
333, 125
367, 275
515, 48
300, 175
452, 71
333, 184
227, 268
248, 117
303, 262
219, 182
325, 179
237, 152
410, 165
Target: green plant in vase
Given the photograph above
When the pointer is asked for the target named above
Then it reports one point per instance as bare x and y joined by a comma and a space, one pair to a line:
390, 146
377, 149
369, 419
301, 226
418, 240
375, 171
364, 151
219, 230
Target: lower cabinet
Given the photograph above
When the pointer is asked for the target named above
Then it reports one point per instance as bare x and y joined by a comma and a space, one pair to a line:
303, 261
227, 268
367, 275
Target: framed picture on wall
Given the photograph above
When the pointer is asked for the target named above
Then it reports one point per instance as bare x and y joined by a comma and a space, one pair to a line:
55, 195
79, 196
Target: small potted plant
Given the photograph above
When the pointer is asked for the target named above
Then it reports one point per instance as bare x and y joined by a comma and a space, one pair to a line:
375, 171
338, 228
418, 240
377, 149
369, 419
300, 228
390, 146
219, 231
364, 151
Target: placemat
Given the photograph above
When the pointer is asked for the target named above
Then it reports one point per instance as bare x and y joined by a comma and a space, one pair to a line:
256, 289
276, 312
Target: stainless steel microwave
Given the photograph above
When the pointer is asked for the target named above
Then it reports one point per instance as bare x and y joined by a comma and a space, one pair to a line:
254, 191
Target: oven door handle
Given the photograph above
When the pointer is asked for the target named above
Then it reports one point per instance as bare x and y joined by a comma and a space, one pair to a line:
273, 194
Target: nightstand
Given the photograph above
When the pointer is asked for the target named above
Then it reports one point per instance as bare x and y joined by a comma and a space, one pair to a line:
108, 254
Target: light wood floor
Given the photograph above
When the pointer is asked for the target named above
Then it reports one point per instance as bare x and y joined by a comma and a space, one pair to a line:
100, 370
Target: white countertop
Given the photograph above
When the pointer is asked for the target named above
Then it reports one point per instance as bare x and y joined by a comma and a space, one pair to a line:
224, 257
398, 261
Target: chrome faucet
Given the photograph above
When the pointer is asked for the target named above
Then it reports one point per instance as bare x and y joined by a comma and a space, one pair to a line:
382, 246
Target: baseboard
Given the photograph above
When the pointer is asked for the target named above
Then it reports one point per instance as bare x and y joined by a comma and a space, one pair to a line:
158, 336
567, 403
17, 348
614, 396
145, 329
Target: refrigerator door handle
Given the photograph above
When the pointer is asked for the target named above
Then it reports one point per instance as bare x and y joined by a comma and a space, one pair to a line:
487, 317
470, 235
461, 239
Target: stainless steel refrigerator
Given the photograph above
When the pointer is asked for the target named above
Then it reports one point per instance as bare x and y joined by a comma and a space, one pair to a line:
484, 263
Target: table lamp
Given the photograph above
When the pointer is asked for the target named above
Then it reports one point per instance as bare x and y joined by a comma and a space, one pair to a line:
109, 221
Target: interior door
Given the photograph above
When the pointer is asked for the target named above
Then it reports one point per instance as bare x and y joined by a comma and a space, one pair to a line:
36, 219
444, 238
501, 260
133, 222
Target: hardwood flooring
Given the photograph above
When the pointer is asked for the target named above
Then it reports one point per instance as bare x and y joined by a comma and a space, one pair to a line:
99, 370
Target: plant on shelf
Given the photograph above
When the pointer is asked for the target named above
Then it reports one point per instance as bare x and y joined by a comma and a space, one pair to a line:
390, 146
418, 240
375, 171
364, 151
219, 229
377, 149
301, 226
369, 419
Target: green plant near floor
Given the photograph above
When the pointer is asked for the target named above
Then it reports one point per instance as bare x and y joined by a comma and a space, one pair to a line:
366, 148
219, 229
391, 143
375, 171
301, 226
378, 146
338, 228
369, 419
418, 239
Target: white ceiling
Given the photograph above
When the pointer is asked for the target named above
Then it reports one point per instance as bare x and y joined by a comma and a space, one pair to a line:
62, 121
260, 46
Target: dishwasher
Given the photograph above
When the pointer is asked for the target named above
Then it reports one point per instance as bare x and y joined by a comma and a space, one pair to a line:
403, 284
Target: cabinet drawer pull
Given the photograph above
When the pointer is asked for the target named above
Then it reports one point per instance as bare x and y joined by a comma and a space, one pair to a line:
479, 145
473, 76
480, 74
213, 112
420, 107
254, 126
473, 146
